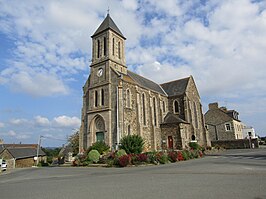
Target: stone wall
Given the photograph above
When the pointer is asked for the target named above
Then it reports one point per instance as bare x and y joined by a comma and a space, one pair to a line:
133, 114
236, 144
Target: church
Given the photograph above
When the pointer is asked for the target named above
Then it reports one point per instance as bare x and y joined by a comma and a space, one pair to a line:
118, 102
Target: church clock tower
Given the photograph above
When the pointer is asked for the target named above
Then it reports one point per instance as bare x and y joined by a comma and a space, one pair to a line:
99, 92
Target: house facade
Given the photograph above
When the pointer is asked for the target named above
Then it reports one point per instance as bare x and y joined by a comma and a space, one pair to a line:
118, 102
20, 155
249, 132
223, 124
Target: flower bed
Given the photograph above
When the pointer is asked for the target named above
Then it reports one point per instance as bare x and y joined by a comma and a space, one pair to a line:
121, 159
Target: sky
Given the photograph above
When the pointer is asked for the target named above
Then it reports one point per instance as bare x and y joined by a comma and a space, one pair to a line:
45, 53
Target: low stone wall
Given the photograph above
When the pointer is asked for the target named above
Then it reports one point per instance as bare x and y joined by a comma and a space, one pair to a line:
236, 144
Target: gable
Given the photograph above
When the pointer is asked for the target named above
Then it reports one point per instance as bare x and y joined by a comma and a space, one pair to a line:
177, 87
192, 86
216, 117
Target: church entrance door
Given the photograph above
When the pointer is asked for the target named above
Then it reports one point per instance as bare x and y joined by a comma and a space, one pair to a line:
170, 142
100, 136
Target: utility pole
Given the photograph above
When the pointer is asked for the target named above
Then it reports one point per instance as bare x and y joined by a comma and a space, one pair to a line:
38, 149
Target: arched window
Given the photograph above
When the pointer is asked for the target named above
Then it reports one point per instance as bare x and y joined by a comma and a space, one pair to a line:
193, 137
102, 94
163, 106
104, 46
95, 98
119, 50
154, 112
143, 109
113, 46
98, 48
128, 129
196, 115
176, 106
128, 98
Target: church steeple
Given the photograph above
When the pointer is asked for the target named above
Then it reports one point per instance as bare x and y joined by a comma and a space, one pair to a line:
107, 24
109, 45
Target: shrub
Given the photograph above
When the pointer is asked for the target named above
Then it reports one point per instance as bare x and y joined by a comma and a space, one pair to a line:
142, 157
120, 153
162, 158
200, 154
124, 160
132, 144
94, 156
185, 155
43, 164
100, 146
80, 160
180, 156
151, 157
173, 156
194, 145
194, 154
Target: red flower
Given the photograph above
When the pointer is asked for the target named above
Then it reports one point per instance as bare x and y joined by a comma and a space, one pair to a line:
180, 156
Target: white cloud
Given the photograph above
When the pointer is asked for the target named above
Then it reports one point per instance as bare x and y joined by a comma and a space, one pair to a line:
12, 133
66, 121
2, 125
19, 121
42, 121
37, 84
15, 135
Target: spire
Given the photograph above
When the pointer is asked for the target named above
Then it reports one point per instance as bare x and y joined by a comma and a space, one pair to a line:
108, 23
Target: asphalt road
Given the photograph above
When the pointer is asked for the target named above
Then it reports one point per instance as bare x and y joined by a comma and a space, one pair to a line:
231, 175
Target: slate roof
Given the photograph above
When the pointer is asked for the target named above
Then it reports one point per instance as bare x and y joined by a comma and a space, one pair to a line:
108, 23
171, 118
2, 147
146, 83
177, 87
20, 153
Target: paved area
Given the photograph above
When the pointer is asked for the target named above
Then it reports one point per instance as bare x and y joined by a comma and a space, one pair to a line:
233, 174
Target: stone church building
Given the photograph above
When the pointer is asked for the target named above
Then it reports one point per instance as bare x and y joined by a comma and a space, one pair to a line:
118, 102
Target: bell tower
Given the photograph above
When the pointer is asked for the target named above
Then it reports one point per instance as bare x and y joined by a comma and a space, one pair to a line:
108, 45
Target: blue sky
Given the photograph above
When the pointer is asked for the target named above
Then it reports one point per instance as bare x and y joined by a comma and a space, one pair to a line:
45, 52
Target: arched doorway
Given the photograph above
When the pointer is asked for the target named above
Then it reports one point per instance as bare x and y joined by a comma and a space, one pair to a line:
170, 142
193, 138
100, 128
97, 129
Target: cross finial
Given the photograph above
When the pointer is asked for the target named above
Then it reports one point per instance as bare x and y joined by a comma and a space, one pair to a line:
108, 10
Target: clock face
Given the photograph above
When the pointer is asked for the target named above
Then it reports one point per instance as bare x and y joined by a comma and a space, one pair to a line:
100, 72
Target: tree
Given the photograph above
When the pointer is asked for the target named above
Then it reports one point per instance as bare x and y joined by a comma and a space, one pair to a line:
51, 153
74, 142
132, 144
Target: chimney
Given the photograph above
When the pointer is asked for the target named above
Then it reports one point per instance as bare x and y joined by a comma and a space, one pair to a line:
213, 106
223, 108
